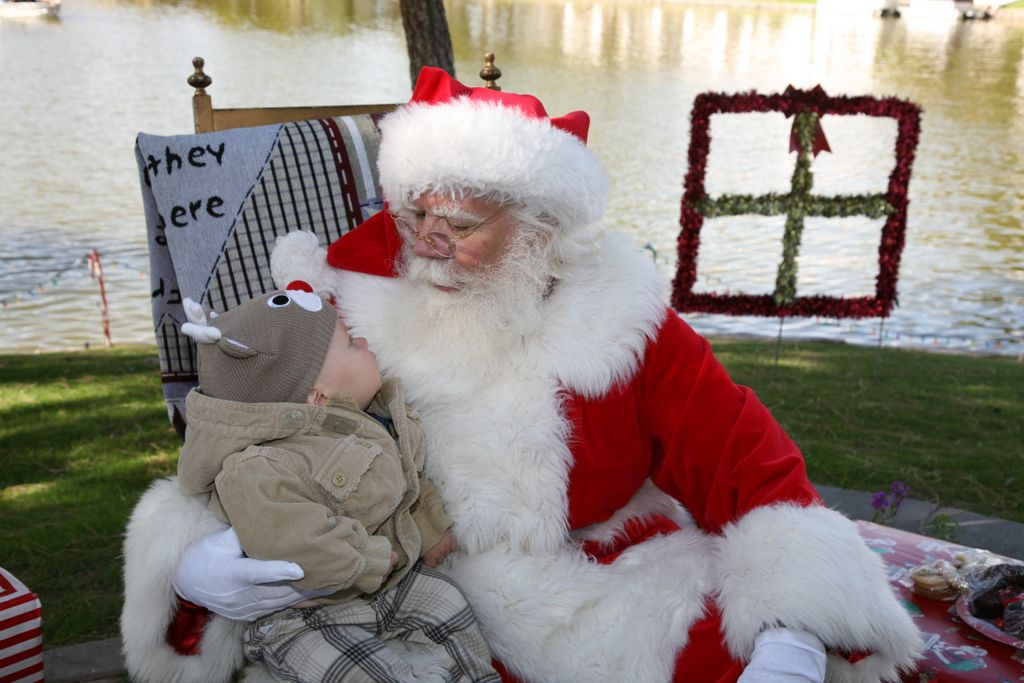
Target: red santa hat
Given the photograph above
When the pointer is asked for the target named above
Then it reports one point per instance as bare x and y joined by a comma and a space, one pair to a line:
452, 139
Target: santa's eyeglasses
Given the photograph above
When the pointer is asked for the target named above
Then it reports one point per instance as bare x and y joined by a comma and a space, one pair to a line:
445, 245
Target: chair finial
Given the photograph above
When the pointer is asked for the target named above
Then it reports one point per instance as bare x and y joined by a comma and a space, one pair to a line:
490, 73
199, 80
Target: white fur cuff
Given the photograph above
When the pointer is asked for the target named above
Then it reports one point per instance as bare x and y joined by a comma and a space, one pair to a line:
162, 525
807, 568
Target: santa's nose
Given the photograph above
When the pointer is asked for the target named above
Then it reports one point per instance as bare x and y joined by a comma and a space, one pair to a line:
422, 249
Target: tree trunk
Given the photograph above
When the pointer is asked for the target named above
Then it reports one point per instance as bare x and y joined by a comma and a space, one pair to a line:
426, 36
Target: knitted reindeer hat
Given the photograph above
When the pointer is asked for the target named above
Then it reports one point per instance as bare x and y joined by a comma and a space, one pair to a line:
267, 350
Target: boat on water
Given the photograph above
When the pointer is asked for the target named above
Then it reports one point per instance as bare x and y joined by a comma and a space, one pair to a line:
931, 9
23, 9
953, 9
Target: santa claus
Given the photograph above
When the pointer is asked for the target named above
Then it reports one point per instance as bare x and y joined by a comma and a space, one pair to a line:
624, 511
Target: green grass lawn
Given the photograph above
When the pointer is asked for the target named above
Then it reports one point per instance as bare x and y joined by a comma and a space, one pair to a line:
950, 426
83, 433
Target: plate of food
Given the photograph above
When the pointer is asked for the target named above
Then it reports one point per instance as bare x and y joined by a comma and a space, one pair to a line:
985, 627
994, 605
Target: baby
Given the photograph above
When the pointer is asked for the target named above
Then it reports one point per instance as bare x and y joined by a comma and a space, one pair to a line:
314, 459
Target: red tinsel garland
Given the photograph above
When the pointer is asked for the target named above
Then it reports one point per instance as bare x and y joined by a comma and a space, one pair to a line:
908, 117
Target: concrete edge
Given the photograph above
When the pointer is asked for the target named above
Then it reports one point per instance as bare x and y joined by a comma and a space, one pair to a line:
99, 661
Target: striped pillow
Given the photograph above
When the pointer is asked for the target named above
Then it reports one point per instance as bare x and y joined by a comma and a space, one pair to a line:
21, 636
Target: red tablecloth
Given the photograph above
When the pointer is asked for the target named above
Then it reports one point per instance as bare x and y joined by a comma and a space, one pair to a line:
955, 651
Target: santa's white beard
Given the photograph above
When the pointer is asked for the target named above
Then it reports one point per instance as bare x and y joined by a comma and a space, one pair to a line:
490, 311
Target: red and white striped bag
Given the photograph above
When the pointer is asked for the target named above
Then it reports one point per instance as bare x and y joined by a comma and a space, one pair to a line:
21, 634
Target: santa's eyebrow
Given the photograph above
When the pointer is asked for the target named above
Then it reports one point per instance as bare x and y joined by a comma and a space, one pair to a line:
453, 211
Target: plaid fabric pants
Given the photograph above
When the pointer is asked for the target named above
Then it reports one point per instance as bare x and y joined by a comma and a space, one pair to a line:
421, 629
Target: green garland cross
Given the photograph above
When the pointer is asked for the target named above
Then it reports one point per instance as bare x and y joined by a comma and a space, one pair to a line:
796, 205
806, 139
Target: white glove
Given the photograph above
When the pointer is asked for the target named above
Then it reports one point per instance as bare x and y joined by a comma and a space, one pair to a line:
214, 573
785, 655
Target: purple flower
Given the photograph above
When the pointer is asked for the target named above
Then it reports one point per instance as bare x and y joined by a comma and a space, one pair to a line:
885, 506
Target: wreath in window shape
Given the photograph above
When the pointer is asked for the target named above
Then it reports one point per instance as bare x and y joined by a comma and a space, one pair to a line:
806, 107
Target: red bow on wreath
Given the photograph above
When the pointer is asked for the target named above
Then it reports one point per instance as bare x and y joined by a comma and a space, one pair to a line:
820, 143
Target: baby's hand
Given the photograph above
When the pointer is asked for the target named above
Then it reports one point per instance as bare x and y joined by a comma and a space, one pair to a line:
445, 547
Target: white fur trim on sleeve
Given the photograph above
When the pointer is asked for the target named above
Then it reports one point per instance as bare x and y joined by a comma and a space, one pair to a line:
807, 568
162, 525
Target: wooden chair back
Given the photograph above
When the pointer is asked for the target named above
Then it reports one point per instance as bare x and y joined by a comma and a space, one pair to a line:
208, 119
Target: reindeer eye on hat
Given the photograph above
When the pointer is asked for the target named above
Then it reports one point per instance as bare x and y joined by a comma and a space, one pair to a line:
306, 300
279, 301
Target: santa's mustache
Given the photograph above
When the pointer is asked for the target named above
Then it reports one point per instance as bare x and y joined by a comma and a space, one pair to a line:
440, 272
433, 271
525, 265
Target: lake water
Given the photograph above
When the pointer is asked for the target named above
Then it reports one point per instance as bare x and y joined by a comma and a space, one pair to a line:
76, 91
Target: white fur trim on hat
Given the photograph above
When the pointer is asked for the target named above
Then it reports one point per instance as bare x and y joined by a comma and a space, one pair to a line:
484, 147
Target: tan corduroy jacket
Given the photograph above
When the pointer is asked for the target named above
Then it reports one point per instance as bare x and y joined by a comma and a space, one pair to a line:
326, 487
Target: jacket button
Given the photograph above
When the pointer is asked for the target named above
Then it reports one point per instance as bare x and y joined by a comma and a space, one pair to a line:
340, 479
